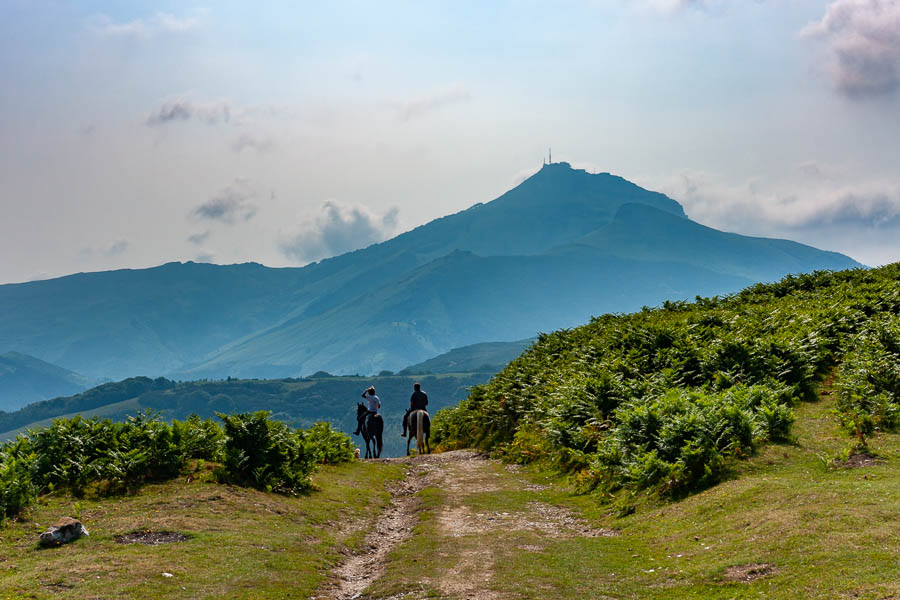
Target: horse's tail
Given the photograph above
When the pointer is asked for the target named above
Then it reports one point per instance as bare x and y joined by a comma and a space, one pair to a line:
420, 430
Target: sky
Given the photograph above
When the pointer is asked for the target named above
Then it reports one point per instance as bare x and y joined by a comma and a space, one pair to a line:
138, 133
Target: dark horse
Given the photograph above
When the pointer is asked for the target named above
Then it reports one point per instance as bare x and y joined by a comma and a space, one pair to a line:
371, 430
419, 426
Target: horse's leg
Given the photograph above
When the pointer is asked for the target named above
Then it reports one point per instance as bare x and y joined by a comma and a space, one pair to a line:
380, 440
408, 440
420, 425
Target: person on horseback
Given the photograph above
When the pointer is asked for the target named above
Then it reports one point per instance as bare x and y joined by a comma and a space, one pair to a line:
418, 401
372, 403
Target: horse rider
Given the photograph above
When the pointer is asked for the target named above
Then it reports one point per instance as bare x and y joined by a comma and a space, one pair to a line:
372, 403
418, 401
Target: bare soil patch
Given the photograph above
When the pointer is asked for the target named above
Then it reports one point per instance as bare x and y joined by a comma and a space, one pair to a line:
859, 460
749, 572
546, 519
151, 538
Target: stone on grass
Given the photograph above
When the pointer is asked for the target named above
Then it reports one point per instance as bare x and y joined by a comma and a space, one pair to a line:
66, 530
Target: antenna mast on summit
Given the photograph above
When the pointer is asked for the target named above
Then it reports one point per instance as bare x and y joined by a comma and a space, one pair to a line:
550, 155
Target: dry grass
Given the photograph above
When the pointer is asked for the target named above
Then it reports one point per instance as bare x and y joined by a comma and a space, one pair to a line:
241, 543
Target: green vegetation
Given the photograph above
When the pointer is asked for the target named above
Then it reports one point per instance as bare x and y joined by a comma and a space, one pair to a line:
269, 455
241, 542
823, 532
665, 399
869, 391
101, 457
297, 402
487, 357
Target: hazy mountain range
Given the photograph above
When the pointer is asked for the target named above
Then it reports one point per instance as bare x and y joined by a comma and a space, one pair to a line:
562, 246
25, 379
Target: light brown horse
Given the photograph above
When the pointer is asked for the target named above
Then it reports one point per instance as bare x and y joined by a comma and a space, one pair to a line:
419, 422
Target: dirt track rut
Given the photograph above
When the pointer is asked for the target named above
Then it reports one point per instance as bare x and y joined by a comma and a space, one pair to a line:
470, 572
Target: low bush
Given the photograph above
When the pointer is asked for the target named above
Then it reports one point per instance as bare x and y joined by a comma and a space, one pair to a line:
328, 445
101, 456
869, 378
199, 438
265, 454
16, 488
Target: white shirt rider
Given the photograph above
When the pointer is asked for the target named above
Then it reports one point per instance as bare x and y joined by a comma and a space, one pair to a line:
374, 403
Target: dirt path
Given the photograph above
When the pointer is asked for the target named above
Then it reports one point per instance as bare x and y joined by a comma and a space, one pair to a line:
463, 478
393, 527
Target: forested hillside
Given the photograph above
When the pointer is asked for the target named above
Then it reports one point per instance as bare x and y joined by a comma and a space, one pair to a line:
666, 398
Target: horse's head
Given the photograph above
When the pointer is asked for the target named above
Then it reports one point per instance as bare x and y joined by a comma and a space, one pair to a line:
361, 408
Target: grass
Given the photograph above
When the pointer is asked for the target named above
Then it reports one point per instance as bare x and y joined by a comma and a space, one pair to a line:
827, 532
242, 543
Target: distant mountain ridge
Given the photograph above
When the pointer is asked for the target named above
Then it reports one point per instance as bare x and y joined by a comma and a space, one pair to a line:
25, 379
562, 246
486, 357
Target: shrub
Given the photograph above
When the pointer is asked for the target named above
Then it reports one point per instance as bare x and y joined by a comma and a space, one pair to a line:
199, 438
869, 378
327, 445
16, 488
265, 454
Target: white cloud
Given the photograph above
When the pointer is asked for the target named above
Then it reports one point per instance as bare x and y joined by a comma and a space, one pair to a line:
248, 141
339, 229
809, 198
813, 204
863, 45
184, 109
198, 238
232, 203
668, 7
114, 248
161, 22
422, 105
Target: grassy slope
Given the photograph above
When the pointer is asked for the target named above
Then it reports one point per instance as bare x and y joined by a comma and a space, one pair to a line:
243, 543
830, 533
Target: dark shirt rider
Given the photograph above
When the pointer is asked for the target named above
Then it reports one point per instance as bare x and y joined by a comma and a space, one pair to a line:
418, 401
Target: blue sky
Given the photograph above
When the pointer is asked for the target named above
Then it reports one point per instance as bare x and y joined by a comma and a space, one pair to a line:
135, 133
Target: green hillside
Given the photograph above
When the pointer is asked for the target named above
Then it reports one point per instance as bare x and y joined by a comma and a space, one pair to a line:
786, 396
123, 323
643, 232
487, 357
497, 297
25, 379
666, 399
560, 247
